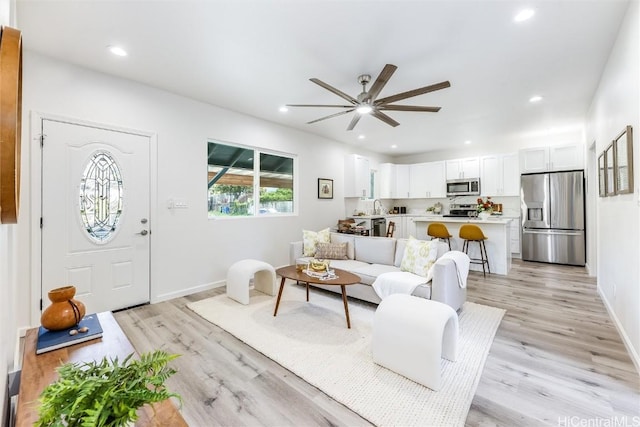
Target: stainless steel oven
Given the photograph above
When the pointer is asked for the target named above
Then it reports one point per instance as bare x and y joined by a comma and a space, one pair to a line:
463, 187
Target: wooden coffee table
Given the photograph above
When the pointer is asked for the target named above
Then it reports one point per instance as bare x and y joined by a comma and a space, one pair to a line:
343, 279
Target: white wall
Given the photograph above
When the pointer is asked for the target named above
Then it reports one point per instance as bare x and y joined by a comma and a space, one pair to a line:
615, 105
189, 251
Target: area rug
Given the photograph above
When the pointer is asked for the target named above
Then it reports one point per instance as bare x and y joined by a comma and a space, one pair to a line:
312, 340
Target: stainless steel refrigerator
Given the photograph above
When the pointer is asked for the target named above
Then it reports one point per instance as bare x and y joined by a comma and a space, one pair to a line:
553, 217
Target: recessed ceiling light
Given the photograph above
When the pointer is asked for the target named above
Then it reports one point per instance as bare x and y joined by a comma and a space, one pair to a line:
394, 146
283, 109
117, 50
524, 14
361, 137
536, 98
467, 142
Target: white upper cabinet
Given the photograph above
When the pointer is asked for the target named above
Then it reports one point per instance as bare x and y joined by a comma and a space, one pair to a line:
427, 180
418, 180
386, 180
357, 176
402, 182
500, 175
553, 158
463, 168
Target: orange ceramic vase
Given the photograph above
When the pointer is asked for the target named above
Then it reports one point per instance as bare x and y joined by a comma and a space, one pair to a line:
64, 311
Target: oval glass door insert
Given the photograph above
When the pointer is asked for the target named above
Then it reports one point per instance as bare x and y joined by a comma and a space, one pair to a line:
101, 196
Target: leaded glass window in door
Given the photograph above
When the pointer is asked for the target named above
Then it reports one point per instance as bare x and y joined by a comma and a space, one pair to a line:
101, 193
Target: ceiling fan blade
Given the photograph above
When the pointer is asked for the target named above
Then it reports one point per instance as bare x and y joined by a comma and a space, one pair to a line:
354, 121
381, 81
319, 105
412, 93
409, 108
338, 92
382, 116
330, 116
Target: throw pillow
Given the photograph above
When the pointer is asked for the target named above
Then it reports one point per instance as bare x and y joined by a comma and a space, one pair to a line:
419, 256
311, 238
331, 250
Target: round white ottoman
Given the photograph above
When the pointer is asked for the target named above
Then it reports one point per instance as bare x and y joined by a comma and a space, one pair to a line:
240, 274
411, 334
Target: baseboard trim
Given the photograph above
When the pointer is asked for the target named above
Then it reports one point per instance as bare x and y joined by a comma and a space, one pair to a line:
184, 292
635, 358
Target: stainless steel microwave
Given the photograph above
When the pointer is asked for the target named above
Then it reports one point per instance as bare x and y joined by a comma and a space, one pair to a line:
463, 187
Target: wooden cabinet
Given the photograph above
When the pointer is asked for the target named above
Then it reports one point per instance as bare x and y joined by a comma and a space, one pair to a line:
38, 371
357, 177
463, 168
499, 175
552, 158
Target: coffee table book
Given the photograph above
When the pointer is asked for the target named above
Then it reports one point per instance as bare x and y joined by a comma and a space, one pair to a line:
53, 340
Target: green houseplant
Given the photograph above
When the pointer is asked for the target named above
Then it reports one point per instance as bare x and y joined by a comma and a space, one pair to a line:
106, 392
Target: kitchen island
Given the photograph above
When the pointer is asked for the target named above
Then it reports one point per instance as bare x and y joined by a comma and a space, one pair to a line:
496, 229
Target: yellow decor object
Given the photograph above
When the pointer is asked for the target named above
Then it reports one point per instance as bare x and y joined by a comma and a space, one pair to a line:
319, 265
64, 311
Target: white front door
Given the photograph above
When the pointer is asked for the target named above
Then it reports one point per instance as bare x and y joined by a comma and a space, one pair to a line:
95, 214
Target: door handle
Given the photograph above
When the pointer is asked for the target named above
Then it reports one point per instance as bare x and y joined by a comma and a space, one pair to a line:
143, 232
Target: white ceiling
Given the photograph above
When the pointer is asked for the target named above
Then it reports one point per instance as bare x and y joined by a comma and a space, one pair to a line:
255, 56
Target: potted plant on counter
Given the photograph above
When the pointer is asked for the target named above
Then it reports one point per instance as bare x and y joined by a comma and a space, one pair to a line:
107, 392
484, 207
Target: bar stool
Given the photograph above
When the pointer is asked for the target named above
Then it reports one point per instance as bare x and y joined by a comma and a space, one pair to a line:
438, 230
391, 228
473, 233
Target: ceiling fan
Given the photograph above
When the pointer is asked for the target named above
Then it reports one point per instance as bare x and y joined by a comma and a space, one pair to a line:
367, 103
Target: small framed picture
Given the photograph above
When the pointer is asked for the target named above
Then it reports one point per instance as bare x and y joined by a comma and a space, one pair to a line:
602, 174
623, 149
325, 188
610, 179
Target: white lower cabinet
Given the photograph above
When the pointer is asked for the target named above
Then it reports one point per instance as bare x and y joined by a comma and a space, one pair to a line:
514, 234
410, 228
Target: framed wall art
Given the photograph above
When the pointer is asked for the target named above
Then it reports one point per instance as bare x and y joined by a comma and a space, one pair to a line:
623, 161
602, 174
610, 180
325, 188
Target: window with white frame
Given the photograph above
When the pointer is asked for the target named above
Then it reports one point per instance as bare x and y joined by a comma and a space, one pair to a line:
244, 181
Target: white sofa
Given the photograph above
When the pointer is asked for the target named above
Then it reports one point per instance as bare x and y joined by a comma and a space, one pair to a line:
368, 257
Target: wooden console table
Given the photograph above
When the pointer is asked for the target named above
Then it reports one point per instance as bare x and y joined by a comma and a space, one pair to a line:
38, 371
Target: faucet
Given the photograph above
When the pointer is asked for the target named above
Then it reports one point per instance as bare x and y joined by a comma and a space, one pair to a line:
377, 211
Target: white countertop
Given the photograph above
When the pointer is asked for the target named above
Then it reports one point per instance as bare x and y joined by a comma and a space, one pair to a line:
489, 220
493, 219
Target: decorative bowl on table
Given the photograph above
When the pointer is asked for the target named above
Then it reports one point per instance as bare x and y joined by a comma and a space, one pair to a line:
319, 265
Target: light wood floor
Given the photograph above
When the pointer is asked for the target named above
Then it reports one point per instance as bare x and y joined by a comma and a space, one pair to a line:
556, 360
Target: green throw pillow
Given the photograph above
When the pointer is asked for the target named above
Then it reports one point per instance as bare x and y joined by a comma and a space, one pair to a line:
419, 256
310, 240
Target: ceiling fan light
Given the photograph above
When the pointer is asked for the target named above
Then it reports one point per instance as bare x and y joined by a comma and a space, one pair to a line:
364, 109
